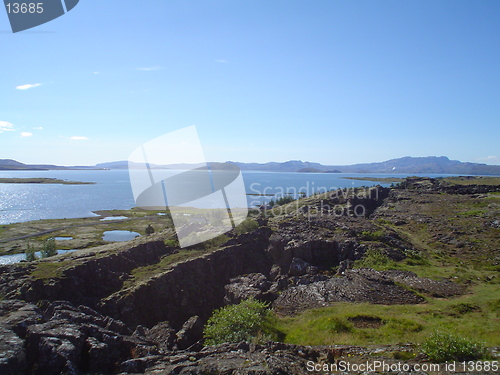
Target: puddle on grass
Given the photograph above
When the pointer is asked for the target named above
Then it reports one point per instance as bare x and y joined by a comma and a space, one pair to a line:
108, 218
119, 235
63, 238
16, 258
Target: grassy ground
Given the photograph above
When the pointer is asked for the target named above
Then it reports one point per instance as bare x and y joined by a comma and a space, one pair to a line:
473, 180
365, 324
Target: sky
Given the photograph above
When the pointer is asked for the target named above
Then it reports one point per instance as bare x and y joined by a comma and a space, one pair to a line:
330, 81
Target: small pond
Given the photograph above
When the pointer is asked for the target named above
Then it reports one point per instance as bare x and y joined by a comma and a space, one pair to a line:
15, 258
119, 235
65, 238
107, 218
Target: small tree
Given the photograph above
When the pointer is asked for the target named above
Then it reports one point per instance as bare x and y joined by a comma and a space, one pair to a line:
49, 248
30, 253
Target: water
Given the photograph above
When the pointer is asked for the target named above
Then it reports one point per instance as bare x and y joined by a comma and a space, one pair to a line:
109, 218
15, 258
25, 202
119, 235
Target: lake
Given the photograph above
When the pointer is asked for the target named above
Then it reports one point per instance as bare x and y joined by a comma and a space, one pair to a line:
25, 202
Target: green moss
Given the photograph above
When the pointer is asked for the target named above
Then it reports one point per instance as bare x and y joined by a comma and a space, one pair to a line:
166, 263
47, 270
372, 236
473, 213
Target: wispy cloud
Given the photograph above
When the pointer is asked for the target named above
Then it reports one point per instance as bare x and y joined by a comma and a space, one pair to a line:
79, 138
490, 159
26, 134
6, 126
28, 86
150, 68
38, 128
222, 61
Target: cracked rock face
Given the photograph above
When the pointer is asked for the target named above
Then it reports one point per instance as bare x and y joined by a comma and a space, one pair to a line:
62, 339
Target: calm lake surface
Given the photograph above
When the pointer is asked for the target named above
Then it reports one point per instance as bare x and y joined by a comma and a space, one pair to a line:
25, 202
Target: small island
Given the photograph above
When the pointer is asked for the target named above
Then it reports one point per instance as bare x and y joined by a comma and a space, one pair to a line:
315, 170
41, 180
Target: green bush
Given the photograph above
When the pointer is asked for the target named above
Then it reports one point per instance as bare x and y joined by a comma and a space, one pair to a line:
442, 347
284, 200
30, 253
374, 258
49, 248
250, 320
248, 225
372, 236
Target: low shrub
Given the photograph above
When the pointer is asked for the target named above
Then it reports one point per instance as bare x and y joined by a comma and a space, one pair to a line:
248, 225
442, 347
374, 258
372, 236
250, 320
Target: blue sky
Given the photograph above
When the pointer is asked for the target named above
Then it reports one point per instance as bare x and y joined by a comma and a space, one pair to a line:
329, 81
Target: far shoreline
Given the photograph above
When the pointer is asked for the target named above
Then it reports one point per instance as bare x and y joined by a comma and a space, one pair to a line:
41, 180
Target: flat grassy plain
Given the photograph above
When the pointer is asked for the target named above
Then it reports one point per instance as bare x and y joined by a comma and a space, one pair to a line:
85, 232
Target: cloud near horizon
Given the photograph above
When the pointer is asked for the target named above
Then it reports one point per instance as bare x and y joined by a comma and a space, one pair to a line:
28, 86
26, 134
150, 68
6, 127
490, 159
78, 138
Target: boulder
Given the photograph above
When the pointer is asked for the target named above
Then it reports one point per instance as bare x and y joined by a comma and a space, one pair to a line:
298, 267
190, 333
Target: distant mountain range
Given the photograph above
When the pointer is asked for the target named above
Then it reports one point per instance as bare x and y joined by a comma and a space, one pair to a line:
13, 165
405, 165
